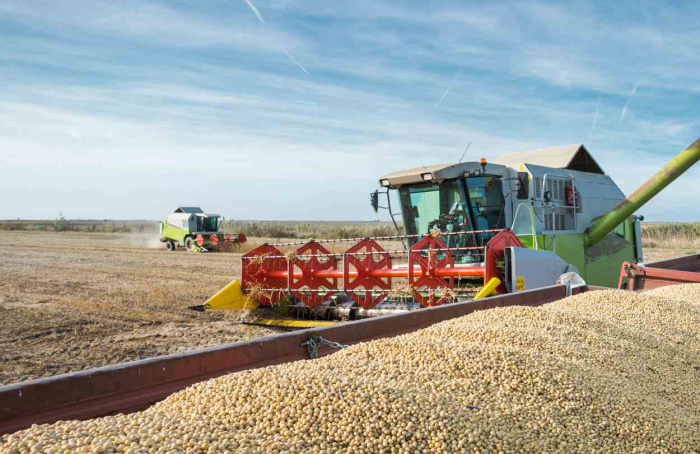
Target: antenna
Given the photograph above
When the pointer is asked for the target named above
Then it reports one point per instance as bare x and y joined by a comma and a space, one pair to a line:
465, 151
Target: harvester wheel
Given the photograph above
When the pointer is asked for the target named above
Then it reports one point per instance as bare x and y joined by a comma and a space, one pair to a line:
170, 245
189, 244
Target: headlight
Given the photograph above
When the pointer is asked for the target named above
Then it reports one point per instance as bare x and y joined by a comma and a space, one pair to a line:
384, 182
427, 176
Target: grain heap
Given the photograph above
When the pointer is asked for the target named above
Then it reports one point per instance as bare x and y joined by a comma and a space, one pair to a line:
604, 371
689, 293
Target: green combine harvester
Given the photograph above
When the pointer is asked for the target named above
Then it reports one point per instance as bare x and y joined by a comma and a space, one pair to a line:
526, 221
196, 231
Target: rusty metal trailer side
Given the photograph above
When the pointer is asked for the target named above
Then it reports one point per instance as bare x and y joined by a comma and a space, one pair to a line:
132, 386
678, 270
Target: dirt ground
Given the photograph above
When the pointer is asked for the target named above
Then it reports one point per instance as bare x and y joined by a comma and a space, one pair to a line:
74, 301
71, 301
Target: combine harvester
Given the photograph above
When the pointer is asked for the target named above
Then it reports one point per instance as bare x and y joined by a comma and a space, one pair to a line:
196, 231
472, 229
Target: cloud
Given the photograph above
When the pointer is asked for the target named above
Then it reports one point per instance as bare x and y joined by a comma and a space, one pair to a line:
255, 10
295, 61
595, 118
629, 98
447, 90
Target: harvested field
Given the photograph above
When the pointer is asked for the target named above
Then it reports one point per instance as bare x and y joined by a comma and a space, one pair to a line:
604, 371
72, 301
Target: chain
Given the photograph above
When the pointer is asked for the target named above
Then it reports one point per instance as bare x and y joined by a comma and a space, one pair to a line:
313, 342
382, 238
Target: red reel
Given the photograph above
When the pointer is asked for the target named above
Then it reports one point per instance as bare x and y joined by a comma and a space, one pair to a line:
227, 238
200, 240
428, 265
257, 264
362, 264
214, 240
320, 261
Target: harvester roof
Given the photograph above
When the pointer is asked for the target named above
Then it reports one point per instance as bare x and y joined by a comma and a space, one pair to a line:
440, 172
572, 157
188, 210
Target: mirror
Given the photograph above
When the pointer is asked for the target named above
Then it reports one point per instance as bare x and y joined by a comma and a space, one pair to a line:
374, 200
523, 186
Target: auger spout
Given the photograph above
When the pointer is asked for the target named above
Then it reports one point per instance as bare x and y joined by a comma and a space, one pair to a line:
675, 168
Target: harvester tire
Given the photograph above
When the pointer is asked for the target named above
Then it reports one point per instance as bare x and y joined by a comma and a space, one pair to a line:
189, 244
170, 245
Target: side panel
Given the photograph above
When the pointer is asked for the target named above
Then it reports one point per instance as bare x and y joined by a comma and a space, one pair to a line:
567, 246
174, 233
596, 194
606, 272
530, 269
604, 260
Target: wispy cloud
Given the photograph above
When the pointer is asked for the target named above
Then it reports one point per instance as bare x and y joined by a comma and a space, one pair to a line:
595, 118
295, 61
629, 98
287, 53
449, 86
255, 10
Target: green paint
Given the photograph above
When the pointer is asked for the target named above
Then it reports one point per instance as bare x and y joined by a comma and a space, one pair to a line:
606, 271
173, 233
643, 194
568, 246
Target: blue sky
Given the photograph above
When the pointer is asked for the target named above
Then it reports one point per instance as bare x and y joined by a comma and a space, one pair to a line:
128, 109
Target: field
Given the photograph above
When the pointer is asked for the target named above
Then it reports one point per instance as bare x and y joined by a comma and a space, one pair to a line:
91, 294
666, 240
72, 301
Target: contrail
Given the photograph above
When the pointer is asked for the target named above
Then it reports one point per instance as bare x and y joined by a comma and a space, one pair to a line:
257, 13
595, 118
448, 88
255, 10
295, 61
624, 109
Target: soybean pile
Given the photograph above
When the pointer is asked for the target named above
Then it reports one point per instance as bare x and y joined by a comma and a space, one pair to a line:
604, 371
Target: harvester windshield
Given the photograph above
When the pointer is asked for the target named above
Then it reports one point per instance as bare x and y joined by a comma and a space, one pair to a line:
453, 206
434, 206
487, 202
207, 223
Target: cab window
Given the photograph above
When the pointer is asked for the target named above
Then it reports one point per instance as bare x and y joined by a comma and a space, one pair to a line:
487, 204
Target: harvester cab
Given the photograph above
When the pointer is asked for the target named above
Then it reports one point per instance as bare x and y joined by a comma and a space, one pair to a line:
470, 229
545, 198
196, 231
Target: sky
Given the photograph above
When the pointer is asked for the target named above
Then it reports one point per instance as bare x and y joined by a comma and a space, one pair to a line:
292, 110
